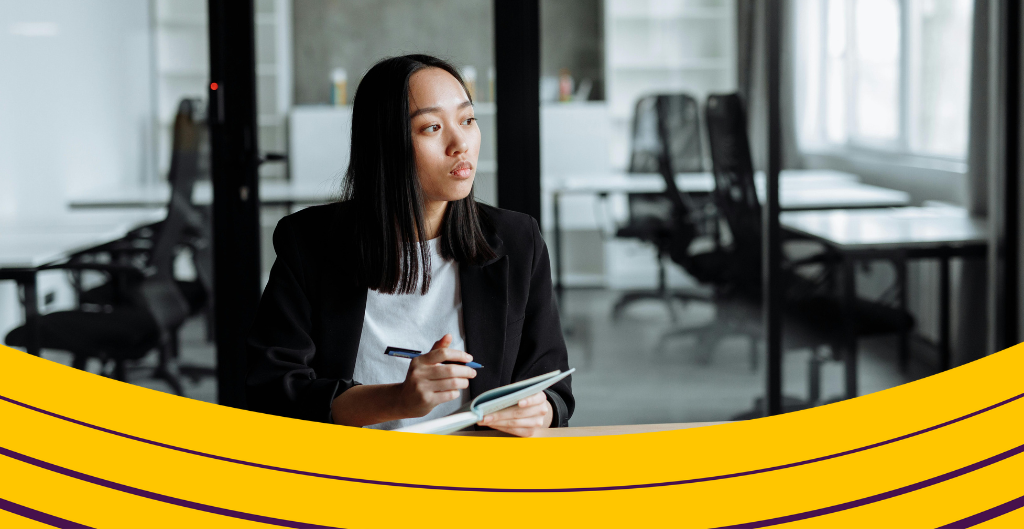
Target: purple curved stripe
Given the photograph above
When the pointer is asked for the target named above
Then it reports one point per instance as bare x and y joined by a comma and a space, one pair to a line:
157, 496
40, 516
493, 489
985, 516
879, 497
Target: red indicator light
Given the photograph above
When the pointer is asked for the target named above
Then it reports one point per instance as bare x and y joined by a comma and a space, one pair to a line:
213, 86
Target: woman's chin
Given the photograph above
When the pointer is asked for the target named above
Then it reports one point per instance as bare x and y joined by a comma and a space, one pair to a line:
459, 189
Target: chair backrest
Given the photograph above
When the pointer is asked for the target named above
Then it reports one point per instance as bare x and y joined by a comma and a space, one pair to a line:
683, 134
680, 115
159, 292
735, 193
692, 217
186, 166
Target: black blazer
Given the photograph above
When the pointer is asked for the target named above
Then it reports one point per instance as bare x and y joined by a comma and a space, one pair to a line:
303, 344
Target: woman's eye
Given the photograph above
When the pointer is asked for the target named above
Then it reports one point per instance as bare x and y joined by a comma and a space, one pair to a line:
469, 121
432, 128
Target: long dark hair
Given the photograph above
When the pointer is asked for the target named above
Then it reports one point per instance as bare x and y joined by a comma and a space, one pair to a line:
382, 184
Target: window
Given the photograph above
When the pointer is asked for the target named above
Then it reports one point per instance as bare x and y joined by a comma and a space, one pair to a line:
884, 75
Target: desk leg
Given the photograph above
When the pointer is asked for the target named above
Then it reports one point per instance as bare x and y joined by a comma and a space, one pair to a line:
27, 282
901, 278
849, 325
558, 252
944, 356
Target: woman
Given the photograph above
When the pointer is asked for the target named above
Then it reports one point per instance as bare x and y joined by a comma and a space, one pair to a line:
408, 259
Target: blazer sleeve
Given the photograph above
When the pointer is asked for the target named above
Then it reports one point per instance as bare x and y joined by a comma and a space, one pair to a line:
280, 347
542, 347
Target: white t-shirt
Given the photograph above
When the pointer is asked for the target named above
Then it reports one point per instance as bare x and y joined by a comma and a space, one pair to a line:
411, 321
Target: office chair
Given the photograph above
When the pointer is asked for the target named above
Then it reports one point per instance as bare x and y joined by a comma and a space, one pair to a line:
810, 307
137, 246
651, 214
113, 308
693, 240
148, 319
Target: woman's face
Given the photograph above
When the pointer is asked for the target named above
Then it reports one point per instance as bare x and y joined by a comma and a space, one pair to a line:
445, 136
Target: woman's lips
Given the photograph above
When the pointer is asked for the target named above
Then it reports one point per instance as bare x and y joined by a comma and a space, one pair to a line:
462, 170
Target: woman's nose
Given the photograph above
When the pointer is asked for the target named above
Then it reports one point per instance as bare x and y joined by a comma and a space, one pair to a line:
457, 143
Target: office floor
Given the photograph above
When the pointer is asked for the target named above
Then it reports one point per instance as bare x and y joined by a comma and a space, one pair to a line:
622, 379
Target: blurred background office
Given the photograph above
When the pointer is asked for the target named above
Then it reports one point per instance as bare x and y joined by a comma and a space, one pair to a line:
647, 126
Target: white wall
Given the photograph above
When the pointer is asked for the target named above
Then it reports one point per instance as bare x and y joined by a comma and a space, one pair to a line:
75, 107
75, 99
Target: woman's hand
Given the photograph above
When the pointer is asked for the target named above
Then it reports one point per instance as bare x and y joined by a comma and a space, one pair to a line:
429, 382
532, 415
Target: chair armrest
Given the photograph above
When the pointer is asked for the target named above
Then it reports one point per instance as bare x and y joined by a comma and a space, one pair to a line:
822, 258
100, 267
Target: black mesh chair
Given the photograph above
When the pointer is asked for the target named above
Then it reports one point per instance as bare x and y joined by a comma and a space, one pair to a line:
141, 306
189, 133
812, 312
148, 319
691, 238
652, 215
136, 248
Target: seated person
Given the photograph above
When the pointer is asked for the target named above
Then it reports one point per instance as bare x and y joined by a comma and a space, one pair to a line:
408, 259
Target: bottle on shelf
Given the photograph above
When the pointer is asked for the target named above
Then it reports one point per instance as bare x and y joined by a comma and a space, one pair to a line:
339, 90
564, 85
490, 83
469, 77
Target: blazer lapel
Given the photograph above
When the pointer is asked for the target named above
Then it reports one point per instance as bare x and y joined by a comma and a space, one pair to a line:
484, 311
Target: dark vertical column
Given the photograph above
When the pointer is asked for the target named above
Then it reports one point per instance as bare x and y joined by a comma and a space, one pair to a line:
236, 214
772, 234
517, 91
1011, 193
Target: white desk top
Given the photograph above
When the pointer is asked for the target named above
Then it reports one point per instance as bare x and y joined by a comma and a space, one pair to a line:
30, 241
890, 228
157, 194
798, 189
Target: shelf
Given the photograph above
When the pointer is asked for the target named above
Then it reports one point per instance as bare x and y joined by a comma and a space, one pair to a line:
691, 14
263, 120
687, 64
270, 120
196, 22
184, 73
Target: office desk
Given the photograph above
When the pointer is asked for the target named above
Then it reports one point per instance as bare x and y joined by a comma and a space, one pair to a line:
799, 190
898, 234
29, 243
702, 182
587, 431
272, 193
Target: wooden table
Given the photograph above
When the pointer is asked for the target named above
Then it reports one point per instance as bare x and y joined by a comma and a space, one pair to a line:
586, 431
29, 243
897, 234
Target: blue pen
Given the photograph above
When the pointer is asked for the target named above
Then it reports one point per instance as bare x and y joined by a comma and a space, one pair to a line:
410, 354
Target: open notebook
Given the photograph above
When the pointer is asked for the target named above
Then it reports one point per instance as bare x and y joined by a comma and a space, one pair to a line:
488, 402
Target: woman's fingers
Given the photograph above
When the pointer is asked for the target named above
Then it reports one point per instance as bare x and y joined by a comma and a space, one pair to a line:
445, 396
443, 371
436, 356
526, 422
517, 412
533, 400
445, 341
445, 384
